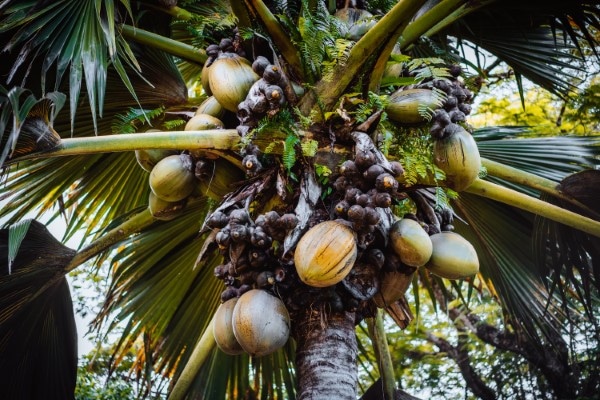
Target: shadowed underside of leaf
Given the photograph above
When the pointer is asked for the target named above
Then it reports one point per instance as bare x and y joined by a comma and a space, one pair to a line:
38, 337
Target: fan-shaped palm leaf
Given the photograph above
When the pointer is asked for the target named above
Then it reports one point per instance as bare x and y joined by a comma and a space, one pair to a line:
75, 35
538, 39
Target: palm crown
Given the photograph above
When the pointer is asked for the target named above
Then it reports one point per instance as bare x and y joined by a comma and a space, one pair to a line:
124, 67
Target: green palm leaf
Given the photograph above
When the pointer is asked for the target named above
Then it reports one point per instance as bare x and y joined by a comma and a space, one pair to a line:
38, 338
76, 35
93, 190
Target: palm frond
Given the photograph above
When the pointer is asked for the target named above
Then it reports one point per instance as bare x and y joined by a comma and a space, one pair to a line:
38, 337
542, 41
502, 237
90, 191
82, 39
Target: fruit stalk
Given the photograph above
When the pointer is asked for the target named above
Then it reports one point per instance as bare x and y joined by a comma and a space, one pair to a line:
134, 224
200, 354
170, 46
524, 202
533, 181
382, 351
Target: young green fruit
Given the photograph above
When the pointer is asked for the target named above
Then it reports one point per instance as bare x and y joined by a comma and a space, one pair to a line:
453, 256
410, 241
407, 106
172, 178
230, 78
458, 156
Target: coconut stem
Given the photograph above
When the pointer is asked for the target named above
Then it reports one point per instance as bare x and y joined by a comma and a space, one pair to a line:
200, 354
428, 20
174, 47
533, 181
382, 351
134, 224
524, 202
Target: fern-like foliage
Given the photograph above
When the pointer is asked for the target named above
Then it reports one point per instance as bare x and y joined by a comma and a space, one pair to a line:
289, 151
134, 119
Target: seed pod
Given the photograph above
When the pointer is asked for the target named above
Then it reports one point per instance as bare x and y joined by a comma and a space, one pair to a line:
261, 323
465, 108
260, 239
410, 242
213, 50
251, 163
229, 294
383, 200
363, 199
386, 182
325, 254
364, 159
356, 213
220, 271
288, 221
259, 65
441, 117
230, 78
456, 115
453, 256
211, 107
265, 279
239, 233
223, 329
404, 105
458, 156
351, 195
164, 210
274, 95
243, 289
393, 284
450, 102
223, 238
272, 74
371, 216
396, 168
202, 122
239, 216
257, 258
341, 183
217, 220
172, 178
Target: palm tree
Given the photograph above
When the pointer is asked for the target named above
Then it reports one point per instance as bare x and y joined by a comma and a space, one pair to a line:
268, 173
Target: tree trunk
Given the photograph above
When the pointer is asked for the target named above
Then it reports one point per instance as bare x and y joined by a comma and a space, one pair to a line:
326, 356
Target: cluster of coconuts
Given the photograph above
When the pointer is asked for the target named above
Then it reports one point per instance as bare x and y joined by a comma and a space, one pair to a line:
256, 323
455, 151
252, 318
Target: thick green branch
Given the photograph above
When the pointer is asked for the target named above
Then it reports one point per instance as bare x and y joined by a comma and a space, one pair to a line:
174, 47
134, 224
524, 202
200, 354
428, 20
533, 181
217, 139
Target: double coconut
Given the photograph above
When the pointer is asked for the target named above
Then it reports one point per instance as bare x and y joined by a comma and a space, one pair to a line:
256, 323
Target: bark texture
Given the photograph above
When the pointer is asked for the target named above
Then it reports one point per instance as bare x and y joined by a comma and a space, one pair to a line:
326, 356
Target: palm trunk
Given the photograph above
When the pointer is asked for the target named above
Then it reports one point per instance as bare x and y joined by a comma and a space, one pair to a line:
326, 356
